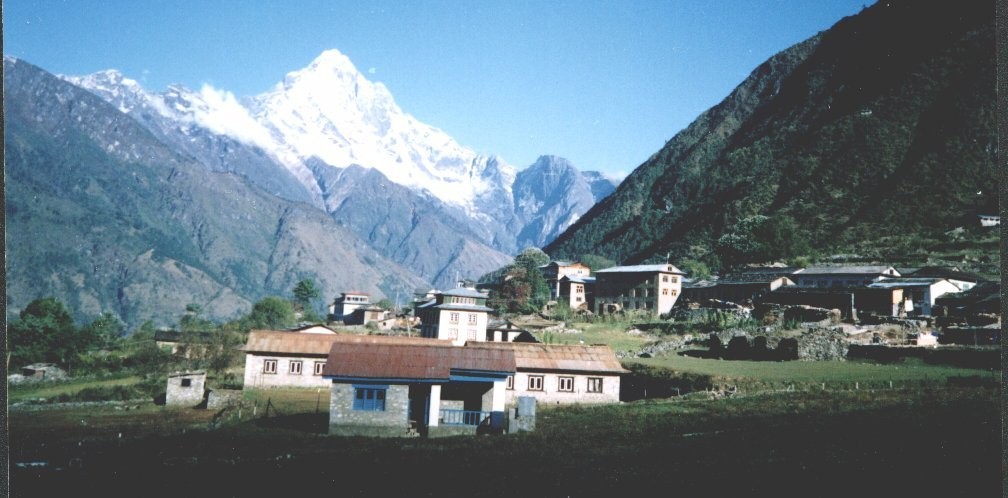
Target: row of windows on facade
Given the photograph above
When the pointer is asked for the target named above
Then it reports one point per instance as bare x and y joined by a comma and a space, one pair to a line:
462, 300
453, 333
293, 367
471, 319
645, 292
355, 299
564, 383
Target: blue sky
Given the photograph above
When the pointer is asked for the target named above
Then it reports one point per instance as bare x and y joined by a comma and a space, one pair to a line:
603, 83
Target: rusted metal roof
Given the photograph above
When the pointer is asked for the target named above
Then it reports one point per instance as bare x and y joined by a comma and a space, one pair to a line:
574, 358
432, 360
276, 341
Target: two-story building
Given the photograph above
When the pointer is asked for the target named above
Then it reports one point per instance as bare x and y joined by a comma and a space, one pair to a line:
556, 270
457, 315
650, 288
343, 307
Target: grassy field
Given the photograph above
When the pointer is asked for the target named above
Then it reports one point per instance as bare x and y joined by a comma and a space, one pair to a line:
814, 372
929, 443
49, 390
612, 334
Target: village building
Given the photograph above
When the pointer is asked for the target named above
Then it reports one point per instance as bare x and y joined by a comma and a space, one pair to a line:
854, 303
432, 388
556, 270
577, 292
563, 374
650, 288
747, 285
185, 388
964, 280
989, 220
919, 294
842, 276
457, 315
177, 342
343, 307
506, 331
275, 358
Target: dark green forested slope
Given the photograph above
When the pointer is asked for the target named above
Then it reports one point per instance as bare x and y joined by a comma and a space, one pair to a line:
876, 132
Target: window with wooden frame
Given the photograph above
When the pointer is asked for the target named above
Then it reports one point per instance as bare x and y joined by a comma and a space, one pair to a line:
319, 366
565, 384
453, 317
269, 366
535, 383
294, 368
510, 382
369, 398
473, 318
594, 384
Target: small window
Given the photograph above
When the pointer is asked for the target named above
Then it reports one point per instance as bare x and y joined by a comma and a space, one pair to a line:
269, 366
675, 279
510, 382
594, 384
578, 299
295, 368
369, 399
664, 292
453, 333
472, 318
535, 383
453, 317
664, 278
471, 334
187, 382
565, 384
319, 366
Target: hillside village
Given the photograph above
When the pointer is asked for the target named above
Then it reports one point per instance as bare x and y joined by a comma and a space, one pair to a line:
449, 366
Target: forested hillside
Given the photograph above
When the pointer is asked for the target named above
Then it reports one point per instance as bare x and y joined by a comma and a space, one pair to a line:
871, 139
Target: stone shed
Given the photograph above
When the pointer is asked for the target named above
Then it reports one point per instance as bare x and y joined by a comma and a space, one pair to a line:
185, 388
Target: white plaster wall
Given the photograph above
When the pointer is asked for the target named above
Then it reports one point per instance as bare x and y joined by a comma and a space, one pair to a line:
255, 378
550, 393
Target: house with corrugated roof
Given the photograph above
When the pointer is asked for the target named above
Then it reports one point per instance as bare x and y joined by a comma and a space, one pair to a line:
430, 387
281, 358
650, 288
563, 374
919, 294
842, 276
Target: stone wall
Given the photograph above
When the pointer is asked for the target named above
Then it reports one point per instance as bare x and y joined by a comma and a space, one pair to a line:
345, 421
222, 398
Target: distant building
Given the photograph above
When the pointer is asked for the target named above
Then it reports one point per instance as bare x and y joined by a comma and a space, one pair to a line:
842, 276
505, 331
577, 292
739, 287
962, 279
342, 308
650, 288
919, 294
458, 315
989, 220
556, 270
